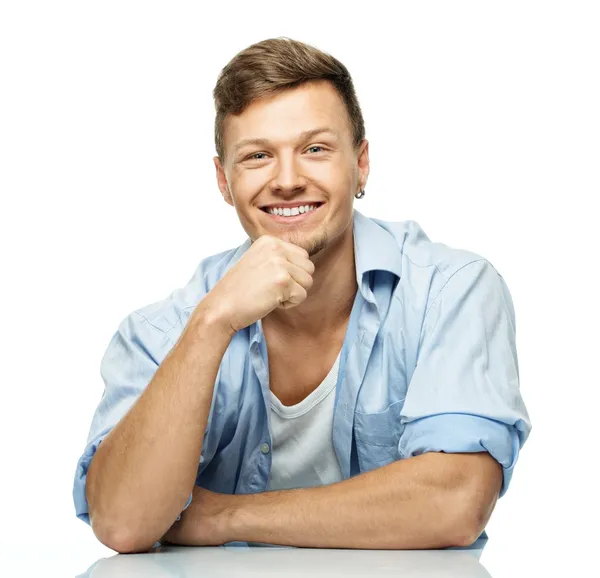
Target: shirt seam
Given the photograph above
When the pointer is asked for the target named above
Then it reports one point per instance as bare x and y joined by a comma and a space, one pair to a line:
155, 327
433, 302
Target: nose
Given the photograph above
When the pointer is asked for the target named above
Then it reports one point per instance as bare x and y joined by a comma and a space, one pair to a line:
288, 179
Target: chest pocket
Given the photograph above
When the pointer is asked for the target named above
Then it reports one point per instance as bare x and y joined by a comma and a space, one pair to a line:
377, 436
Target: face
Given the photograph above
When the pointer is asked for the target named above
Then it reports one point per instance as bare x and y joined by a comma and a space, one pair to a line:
277, 156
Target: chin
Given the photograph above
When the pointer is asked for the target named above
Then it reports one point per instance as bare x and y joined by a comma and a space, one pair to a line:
313, 243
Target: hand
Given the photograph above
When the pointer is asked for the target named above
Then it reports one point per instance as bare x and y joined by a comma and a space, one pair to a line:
272, 273
205, 522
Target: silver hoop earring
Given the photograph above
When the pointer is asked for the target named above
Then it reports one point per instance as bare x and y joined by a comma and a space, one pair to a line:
360, 194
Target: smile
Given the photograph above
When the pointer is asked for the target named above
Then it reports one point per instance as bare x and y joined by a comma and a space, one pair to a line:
292, 216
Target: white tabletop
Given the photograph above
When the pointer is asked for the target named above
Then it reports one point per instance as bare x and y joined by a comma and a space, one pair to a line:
232, 561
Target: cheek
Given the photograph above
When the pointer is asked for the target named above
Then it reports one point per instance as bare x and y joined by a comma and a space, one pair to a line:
335, 175
247, 182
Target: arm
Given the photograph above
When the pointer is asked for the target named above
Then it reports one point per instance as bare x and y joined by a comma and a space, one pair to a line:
435, 500
144, 470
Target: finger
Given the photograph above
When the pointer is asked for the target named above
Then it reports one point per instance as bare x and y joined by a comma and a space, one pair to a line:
301, 261
297, 295
300, 275
294, 249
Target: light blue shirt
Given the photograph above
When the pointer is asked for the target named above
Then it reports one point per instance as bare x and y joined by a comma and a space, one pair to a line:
428, 364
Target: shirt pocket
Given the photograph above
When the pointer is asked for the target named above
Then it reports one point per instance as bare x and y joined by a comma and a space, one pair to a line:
377, 436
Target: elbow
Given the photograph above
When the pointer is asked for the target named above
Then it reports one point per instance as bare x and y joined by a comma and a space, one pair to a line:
121, 540
474, 513
112, 532
118, 536
465, 536
468, 528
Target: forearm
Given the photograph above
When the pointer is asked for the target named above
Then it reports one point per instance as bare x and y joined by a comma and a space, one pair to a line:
143, 472
410, 504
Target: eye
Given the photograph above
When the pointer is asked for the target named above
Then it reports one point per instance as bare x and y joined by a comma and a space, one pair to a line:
253, 157
316, 147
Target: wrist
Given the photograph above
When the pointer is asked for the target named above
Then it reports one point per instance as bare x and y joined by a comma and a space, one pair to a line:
211, 319
234, 519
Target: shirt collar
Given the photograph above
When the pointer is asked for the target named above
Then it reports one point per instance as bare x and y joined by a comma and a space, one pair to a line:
375, 248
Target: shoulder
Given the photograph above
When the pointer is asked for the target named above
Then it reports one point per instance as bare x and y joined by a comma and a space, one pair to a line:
420, 251
428, 266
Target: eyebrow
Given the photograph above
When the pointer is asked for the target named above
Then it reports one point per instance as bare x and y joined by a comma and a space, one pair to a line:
302, 136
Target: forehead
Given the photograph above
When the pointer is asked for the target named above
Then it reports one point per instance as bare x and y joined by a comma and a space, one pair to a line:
288, 113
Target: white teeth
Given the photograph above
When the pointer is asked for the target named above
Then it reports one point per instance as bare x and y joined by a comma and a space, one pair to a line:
286, 212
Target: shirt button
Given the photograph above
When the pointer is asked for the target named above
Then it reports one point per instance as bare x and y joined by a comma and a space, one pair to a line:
264, 448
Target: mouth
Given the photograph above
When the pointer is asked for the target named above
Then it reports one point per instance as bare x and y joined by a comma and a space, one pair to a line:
293, 219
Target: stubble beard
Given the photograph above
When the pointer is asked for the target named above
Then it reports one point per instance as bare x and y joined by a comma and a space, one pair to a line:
312, 243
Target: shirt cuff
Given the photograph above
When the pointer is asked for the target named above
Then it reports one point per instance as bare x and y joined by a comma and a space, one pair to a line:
458, 433
185, 507
79, 496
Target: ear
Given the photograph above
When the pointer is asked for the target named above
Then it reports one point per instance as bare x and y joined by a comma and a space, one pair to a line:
222, 181
363, 164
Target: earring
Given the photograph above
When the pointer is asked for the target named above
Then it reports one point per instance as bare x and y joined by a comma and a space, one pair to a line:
360, 194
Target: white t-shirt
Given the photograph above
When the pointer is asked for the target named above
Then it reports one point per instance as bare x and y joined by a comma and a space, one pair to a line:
302, 445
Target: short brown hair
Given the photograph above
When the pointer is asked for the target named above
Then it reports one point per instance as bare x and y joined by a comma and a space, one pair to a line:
272, 66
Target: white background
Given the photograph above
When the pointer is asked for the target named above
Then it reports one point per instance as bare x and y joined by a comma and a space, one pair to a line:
483, 121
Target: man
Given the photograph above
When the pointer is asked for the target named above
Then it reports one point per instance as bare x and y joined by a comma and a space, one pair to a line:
336, 381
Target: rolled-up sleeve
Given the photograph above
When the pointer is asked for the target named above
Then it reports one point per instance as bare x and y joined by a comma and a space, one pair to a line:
133, 355
464, 394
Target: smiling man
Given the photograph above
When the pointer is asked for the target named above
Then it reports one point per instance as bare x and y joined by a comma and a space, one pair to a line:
335, 381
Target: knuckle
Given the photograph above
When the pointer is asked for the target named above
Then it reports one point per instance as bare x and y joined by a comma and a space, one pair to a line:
274, 242
282, 278
276, 249
267, 241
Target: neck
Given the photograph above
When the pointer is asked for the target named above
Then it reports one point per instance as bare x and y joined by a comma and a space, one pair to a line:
330, 298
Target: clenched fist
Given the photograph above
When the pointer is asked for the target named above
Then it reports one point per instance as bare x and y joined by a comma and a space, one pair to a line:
272, 273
